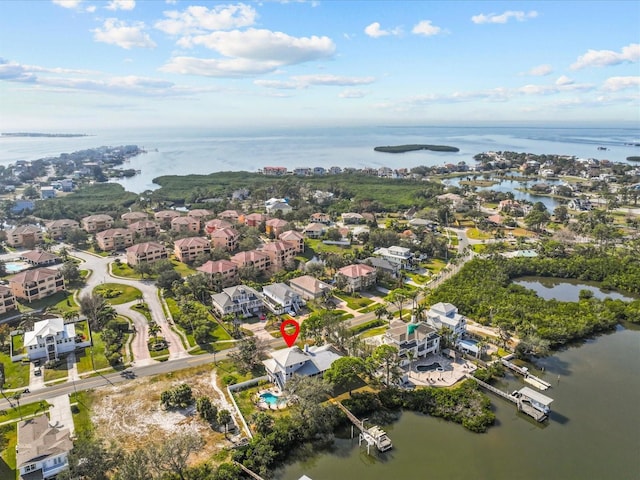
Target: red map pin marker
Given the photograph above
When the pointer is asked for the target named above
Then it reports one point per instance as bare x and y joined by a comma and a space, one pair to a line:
289, 338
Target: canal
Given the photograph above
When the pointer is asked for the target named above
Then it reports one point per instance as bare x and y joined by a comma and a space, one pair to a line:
594, 430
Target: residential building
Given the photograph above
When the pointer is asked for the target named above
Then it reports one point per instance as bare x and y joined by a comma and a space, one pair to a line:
35, 284
281, 254
38, 258
97, 223
239, 300
401, 256
310, 288
383, 266
357, 276
279, 298
453, 198
7, 300
42, 449
27, 236
352, 217
47, 192
216, 224
320, 217
315, 230
273, 205
59, 228
185, 224
443, 315
230, 215
223, 272
253, 219
50, 339
287, 362
200, 213
147, 252
253, 258
225, 238
579, 204
322, 197
145, 228
165, 216
276, 226
114, 239
294, 238
187, 249
133, 217
22, 205
418, 338
275, 171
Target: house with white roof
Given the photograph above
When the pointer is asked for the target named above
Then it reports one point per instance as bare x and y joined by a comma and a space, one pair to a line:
49, 339
280, 298
42, 449
309, 362
400, 256
446, 315
241, 300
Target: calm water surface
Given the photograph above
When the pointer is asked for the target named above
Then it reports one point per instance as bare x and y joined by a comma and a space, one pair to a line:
567, 290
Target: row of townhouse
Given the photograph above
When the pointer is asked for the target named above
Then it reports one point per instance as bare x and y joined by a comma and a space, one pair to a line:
31, 285
244, 301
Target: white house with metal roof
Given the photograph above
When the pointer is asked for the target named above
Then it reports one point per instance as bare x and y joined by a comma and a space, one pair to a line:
309, 362
49, 339
280, 298
446, 315
240, 299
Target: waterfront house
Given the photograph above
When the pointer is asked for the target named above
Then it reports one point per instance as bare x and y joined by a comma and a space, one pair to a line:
36, 284
279, 298
187, 249
310, 288
287, 362
38, 258
7, 300
60, 228
252, 258
49, 339
296, 239
27, 236
225, 238
223, 272
239, 300
41, 449
418, 338
114, 239
133, 217
185, 224
357, 277
147, 252
275, 171
443, 315
97, 223
145, 228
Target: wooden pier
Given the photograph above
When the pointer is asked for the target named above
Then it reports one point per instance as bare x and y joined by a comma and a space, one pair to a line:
253, 475
372, 435
528, 401
528, 378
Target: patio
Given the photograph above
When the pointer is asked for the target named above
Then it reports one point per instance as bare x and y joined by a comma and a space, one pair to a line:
449, 373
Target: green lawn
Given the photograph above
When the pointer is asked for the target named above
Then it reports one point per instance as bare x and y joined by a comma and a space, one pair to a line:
142, 308
17, 344
81, 408
8, 440
97, 252
372, 332
435, 265
417, 278
317, 246
57, 373
99, 359
157, 353
182, 268
25, 410
117, 293
49, 302
121, 269
354, 302
476, 234
16, 374
370, 308
219, 346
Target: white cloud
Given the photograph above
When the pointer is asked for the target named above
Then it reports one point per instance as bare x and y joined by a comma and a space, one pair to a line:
265, 46
277, 84
304, 81
117, 32
91, 8
614, 84
197, 19
520, 16
564, 80
210, 67
426, 29
540, 70
375, 31
121, 5
605, 58
68, 3
352, 94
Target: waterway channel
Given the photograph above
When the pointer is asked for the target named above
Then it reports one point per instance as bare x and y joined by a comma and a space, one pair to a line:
567, 290
593, 432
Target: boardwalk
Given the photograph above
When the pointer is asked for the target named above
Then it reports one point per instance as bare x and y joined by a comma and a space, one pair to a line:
253, 475
373, 435
529, 378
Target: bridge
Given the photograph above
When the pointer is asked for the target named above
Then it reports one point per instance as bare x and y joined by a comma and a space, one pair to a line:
372, 436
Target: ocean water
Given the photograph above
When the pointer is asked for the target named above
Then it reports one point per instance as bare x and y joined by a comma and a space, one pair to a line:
183, 151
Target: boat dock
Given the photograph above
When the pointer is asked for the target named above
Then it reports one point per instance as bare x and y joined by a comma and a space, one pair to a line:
528, 401
528, 378
372, 436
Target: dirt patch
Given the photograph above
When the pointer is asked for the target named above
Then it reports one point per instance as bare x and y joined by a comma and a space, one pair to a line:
131, 416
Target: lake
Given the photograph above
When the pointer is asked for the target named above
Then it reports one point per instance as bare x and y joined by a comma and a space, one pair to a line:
593, 432
567, 290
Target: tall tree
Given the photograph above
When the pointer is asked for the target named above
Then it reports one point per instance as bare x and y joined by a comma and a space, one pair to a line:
97, 310
386, 357
345, 372
173, 454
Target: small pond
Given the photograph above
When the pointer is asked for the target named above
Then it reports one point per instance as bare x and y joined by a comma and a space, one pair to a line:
567, 290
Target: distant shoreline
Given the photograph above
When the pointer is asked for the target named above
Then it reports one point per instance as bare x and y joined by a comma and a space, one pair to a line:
47, 135
414, 147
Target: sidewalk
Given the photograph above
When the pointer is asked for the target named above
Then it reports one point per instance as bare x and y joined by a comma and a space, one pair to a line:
60, 413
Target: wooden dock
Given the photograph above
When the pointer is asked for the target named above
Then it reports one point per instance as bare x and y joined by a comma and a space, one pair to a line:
528, 378
253, 475
372, 436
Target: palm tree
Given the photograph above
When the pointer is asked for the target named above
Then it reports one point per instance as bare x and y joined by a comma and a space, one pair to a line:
411, 354
381, 311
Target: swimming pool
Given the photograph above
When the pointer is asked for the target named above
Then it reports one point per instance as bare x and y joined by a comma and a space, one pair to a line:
15, 267
428, 368
269, 398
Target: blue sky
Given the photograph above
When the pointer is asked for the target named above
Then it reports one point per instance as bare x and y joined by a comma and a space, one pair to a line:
83, 65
